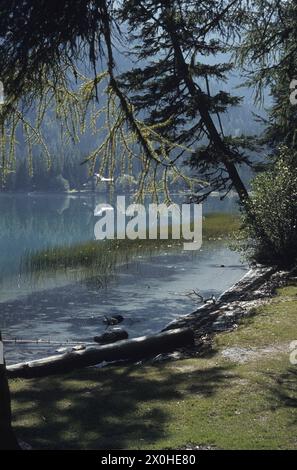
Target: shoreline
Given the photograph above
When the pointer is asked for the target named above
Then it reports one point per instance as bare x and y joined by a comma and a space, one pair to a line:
197, 401
255, 288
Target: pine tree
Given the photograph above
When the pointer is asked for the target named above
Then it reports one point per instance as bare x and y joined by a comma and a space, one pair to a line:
174, 33
173, 82
269, 55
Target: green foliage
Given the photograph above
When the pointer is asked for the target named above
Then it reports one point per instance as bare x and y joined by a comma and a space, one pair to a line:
268, 53
156, 115
269, 41
270, 226
61, 176
173, 80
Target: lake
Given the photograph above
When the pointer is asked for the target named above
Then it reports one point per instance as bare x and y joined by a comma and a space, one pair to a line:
41, 298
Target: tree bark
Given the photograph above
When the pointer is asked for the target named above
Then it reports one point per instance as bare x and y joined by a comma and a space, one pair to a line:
134, 349
227, 156
8, 440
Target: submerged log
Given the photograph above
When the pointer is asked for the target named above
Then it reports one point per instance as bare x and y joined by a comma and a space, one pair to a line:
133, 349
113, 336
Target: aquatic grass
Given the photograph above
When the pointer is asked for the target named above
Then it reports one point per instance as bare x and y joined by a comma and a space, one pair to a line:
101, 257
104, 254
220, 225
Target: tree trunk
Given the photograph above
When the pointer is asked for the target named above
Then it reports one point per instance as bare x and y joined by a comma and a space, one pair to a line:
134, 349
7, 438
227, 156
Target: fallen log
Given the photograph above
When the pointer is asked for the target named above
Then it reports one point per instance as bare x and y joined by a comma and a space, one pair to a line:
133, 349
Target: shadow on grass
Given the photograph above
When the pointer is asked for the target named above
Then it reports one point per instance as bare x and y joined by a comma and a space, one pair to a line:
109, 408
284, 391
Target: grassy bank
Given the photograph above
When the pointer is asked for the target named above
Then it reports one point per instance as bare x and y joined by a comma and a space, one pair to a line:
243, 396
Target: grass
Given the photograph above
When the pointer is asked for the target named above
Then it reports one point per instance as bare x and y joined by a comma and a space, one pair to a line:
220, 225
102, 257
211, 400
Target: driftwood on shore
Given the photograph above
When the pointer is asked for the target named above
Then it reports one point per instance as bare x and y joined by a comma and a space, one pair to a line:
235, 303
134, 349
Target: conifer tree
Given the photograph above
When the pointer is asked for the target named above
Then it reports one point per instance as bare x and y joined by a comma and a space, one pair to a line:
268, 54
173, 41
40, 42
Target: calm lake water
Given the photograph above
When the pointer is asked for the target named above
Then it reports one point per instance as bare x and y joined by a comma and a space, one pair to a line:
147, 289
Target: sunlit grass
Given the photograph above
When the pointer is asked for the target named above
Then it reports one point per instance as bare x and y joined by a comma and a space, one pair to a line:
98, 256
220, 225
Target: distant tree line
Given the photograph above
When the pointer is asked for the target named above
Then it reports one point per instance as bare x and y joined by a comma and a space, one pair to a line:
61, 175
